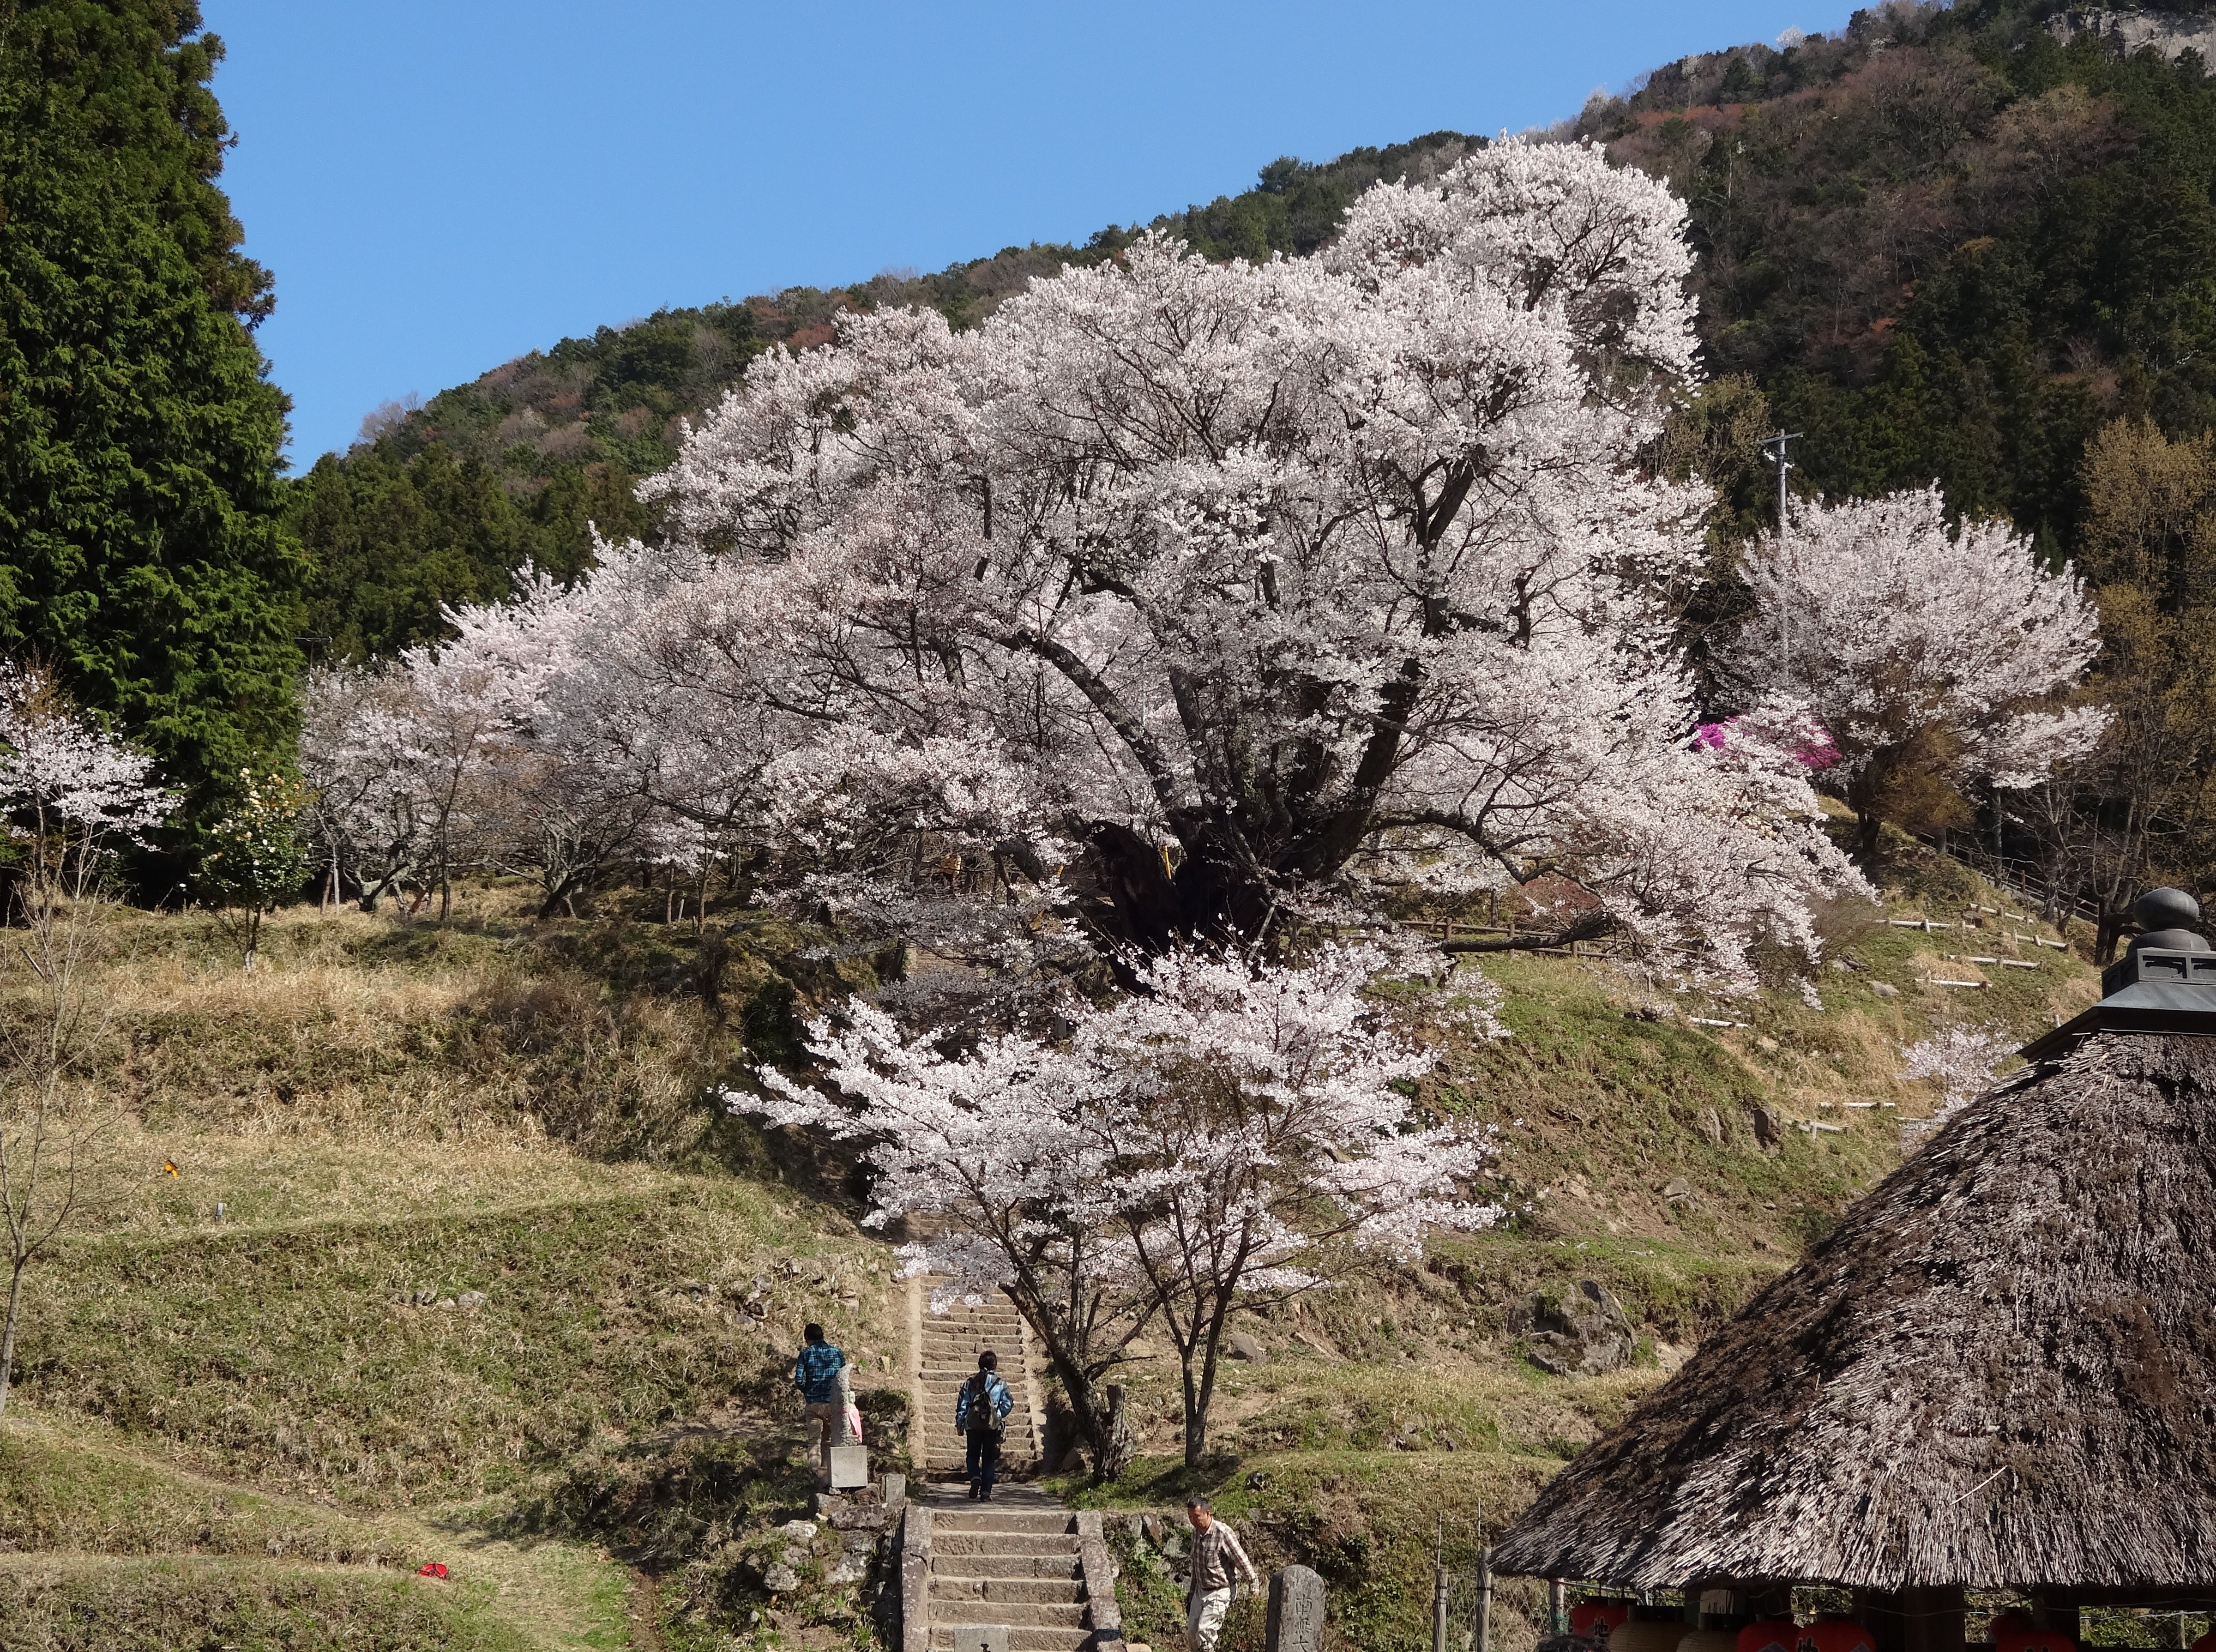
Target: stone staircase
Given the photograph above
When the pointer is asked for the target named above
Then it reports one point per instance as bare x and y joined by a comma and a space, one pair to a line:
947, 1346
1014, 1561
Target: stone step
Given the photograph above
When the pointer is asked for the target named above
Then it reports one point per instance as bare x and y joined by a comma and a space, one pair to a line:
1024, 1639
1012, 1591
940, 1454
1000, 1566
1035, 1522
1015, 1614
1002, 1543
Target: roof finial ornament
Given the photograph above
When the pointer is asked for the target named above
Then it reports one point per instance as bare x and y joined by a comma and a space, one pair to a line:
2165, 982
2169, 918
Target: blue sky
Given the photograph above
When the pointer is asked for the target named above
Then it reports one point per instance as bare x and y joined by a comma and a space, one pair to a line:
440, 187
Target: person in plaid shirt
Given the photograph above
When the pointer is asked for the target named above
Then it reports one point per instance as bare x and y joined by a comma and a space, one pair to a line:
815, 1374
1218, 1563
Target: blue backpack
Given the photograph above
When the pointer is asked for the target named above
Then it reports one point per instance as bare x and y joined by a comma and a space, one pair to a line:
984, 1405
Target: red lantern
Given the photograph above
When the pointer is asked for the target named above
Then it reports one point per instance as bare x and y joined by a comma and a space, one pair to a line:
1781, 1636
1596, 1620
1835, 1635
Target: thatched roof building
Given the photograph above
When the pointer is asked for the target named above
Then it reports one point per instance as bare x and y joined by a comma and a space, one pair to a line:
1999, 1371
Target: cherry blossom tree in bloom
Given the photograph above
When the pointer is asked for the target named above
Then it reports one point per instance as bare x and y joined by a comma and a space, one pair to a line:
74, 791
1202, 602
1962, 1062
445, 759
1231, 1136
1930, 658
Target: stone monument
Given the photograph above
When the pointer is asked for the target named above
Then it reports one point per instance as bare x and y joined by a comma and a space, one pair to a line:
850, 1467
1295, 1610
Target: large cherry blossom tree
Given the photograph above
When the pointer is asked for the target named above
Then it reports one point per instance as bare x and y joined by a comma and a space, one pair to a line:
1188, 603
1232, 1135
1931, 657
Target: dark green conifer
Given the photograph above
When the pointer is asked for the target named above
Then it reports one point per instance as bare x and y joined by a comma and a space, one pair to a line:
142, 553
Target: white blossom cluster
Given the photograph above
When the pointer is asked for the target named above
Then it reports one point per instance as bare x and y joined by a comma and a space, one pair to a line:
1208, 1138
1961, 1062
64, 778
1890, 630
1177, 602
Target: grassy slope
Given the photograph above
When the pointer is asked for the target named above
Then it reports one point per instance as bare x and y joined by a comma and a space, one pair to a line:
386, 1112
251, 1420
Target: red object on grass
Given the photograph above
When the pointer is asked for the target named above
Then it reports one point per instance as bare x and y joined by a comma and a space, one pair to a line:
432, 1568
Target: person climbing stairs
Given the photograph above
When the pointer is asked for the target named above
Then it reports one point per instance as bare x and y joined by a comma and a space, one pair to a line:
947, 1351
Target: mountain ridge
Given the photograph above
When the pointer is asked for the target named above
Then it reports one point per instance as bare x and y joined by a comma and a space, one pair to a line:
1942, 241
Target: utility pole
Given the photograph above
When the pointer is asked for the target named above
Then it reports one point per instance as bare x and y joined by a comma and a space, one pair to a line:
1774, 450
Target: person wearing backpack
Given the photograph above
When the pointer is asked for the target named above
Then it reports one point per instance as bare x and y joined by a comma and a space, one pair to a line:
980, 1412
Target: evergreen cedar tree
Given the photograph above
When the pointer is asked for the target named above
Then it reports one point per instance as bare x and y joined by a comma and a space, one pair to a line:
146, 561
1333, 573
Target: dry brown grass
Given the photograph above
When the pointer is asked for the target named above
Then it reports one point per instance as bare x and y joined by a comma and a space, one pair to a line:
461, 1039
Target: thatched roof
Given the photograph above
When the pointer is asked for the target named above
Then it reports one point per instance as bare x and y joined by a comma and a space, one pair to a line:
1999, 1369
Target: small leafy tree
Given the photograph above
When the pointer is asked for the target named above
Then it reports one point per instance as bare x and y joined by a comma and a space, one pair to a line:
71, 795
258, 853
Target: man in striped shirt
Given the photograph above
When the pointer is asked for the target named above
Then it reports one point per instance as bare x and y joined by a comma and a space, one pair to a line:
1215, 1554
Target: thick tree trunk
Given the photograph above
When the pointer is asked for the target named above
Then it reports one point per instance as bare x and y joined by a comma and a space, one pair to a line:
1868, 825
1116, 1445
2108, 932
1218, 892
1096, 1407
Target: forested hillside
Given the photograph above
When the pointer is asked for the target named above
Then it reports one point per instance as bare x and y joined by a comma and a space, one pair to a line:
1941, 242
1946, 243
